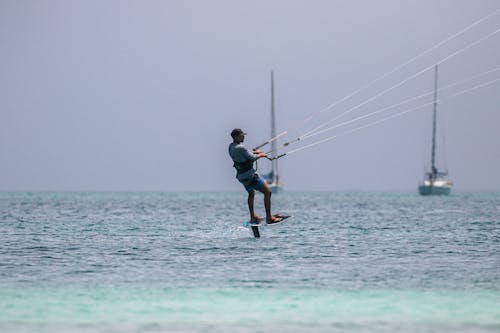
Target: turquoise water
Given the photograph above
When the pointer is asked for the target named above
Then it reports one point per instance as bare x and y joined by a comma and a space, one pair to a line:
182, 262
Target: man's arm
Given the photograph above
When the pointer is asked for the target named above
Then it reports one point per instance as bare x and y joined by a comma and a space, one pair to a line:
250, 155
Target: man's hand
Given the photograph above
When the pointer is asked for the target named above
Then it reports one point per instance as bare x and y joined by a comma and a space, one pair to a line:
259, 153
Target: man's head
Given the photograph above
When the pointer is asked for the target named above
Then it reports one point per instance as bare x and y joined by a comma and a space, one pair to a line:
238, 135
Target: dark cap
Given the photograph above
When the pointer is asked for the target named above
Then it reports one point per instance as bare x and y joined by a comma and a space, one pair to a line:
236, 132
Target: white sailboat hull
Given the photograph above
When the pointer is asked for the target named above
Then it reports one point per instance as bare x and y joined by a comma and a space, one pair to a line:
437, 187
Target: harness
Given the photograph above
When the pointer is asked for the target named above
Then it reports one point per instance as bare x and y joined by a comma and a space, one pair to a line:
243, 166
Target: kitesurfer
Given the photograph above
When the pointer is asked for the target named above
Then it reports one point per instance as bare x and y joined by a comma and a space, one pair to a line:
246, 174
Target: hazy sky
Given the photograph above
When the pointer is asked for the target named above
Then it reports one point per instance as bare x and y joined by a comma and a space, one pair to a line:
142, 95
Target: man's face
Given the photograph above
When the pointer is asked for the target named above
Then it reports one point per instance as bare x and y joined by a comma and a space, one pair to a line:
241, 137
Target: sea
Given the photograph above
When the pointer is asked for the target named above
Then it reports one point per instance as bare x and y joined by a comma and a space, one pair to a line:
184, 262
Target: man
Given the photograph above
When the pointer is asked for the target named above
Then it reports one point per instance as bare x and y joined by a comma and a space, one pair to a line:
245, 173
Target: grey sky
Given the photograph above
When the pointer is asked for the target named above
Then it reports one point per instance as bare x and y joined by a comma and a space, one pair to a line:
142, 95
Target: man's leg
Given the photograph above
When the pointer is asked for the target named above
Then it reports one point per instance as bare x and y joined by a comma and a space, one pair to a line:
270, 219
267, 201
251, 196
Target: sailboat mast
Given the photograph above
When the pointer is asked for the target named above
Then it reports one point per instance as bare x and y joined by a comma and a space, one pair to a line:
273, 129
433, 156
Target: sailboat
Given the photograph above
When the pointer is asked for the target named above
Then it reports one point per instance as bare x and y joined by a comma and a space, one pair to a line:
435, 182
273, 178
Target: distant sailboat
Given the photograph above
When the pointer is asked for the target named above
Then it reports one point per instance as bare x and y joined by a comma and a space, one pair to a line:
435, 182
273, 178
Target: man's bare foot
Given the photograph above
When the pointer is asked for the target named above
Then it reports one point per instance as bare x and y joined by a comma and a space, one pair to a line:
274, 219
256, 219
